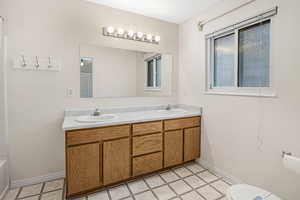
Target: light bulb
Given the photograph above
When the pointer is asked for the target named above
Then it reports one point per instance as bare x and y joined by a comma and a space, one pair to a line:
130, 33
149, 37
157, 38
140, 35
120, 31
81, 64
110, 29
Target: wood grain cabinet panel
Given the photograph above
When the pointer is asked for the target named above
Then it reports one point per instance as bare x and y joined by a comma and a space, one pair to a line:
174, 124
191, 143
84, 167
114, 132
146, 164
146, 144
116, 162
173, 148
148, 127
82, 136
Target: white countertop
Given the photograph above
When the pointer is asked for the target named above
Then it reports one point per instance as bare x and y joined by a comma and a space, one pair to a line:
127, 115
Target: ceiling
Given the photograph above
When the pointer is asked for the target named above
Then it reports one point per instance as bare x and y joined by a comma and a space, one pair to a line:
176, 11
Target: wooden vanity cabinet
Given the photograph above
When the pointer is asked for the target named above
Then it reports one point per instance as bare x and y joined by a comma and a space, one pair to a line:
99, 157
96, 157
181, 140
116, 163
85, 164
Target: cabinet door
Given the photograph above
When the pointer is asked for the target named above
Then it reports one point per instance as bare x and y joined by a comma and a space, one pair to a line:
191, 143
173, 151
116, 160
83, 167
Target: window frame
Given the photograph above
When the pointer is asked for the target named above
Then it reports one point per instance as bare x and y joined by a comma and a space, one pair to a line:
154, 87
237, 90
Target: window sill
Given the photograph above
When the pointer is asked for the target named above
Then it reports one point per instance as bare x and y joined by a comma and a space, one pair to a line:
242, 93
153, 89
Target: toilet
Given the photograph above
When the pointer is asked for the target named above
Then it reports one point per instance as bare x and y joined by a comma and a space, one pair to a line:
249, 192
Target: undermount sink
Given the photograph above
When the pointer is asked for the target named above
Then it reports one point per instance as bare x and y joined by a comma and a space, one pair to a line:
100, 118
172, 111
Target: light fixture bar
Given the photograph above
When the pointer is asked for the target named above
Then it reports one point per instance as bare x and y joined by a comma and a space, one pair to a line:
130, 35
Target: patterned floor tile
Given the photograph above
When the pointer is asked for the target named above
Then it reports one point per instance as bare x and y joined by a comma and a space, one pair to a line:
164, 192
221, 186
194, 181
55, 195
12, 194
195, 168
119, 192
36, 197
53, 185
30, 190
209, 193
137, 186
103, 195
154, 181
145, 196
169, 176
183, 172
192, 196
180, 187
207, 176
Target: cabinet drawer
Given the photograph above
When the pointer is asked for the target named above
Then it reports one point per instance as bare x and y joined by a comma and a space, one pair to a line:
97, 134
146, 144
146, 164
82, 136
148, 127
114, 132
182, 123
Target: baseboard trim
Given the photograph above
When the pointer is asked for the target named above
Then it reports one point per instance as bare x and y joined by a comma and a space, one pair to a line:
37, 179
227, 176
2, 195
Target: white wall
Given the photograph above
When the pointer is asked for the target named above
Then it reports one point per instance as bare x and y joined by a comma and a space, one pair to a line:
114, 71
37, 99
244, 136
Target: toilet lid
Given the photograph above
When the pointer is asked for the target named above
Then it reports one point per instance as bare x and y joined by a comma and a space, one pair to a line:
248, 192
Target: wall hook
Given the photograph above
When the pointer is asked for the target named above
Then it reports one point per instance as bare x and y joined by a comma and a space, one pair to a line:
284, 153
23, 61
49, 62
37, 65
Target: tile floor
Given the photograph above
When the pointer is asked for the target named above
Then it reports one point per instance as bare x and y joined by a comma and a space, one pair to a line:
188, 182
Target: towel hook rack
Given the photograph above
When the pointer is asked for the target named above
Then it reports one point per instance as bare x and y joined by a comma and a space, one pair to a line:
284, 153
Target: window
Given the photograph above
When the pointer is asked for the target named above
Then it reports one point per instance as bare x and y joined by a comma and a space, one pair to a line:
238, 58
153, 72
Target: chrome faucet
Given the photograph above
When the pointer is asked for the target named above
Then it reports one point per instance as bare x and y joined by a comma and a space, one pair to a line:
96, 112
168, 107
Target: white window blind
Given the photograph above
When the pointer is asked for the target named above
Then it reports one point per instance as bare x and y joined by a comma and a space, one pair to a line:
224, 61
254, 55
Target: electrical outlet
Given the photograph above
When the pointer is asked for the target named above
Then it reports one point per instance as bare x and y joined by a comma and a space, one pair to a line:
69, 92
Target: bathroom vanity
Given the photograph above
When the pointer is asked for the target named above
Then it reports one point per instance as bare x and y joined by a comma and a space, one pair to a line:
135, 143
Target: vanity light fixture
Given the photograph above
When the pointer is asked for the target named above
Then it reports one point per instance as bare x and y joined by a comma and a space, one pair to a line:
130, 35
149, 37
110, 30
157, 38
121, 31
140, 35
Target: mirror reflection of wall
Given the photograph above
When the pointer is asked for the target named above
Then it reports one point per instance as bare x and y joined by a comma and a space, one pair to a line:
124, 73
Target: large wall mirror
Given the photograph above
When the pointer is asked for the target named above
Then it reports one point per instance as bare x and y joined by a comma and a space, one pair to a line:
112, 72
